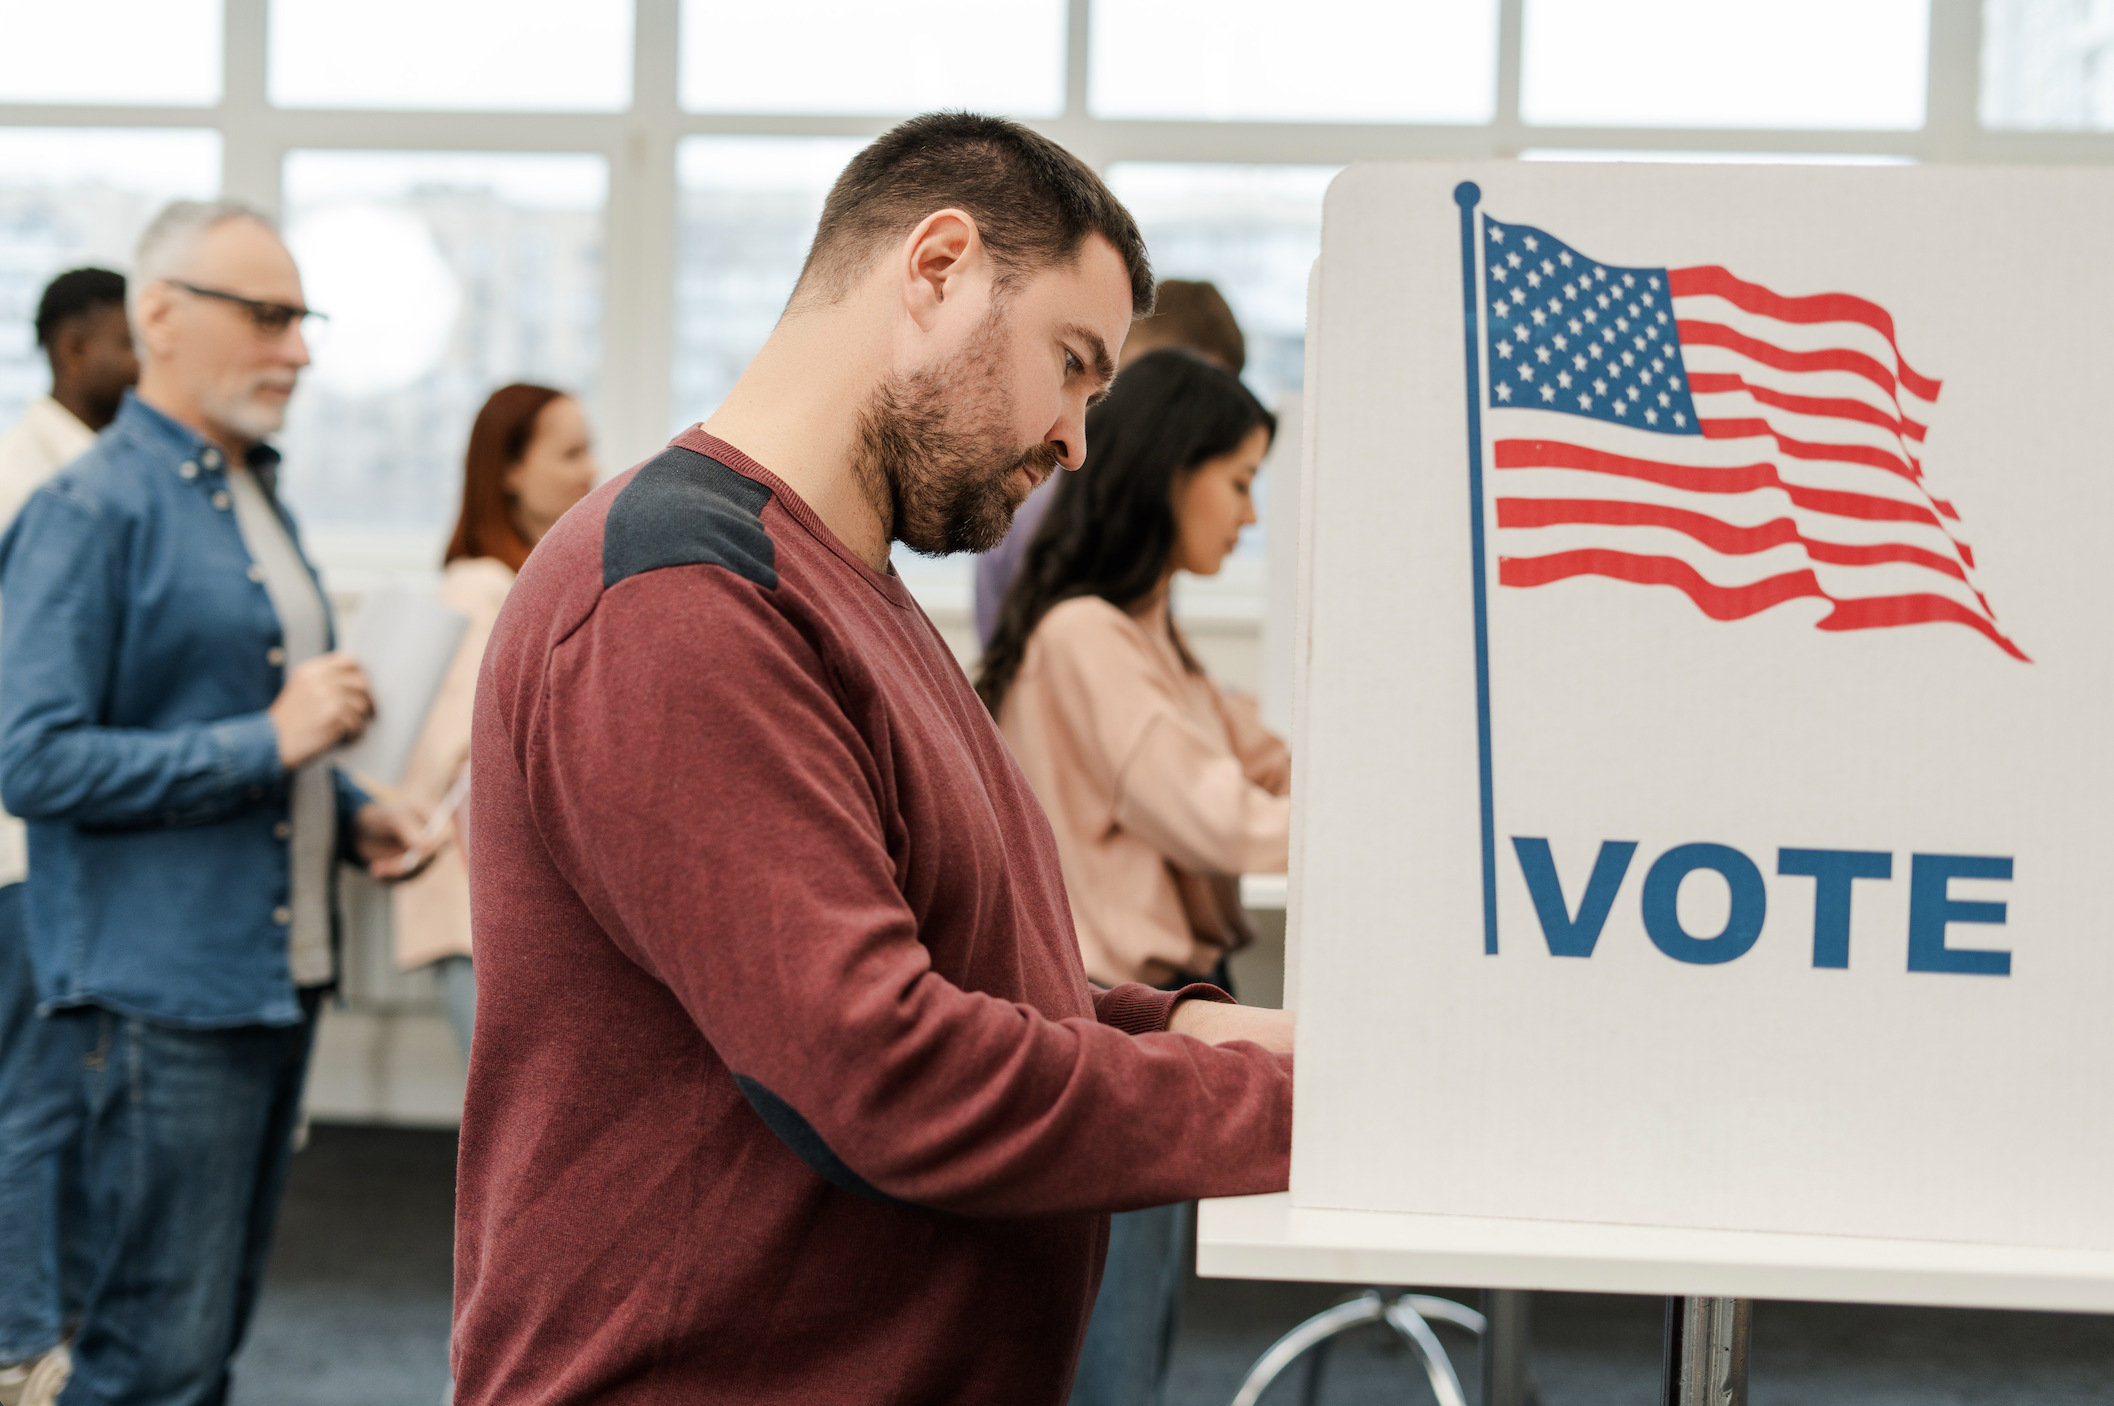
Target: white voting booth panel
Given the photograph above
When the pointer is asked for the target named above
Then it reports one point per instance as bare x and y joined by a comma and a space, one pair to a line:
1704, 889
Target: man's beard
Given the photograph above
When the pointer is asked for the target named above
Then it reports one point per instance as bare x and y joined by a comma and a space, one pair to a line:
250, 415
942, 486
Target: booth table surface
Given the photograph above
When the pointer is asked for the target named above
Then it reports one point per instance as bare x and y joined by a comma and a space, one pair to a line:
1266, 1237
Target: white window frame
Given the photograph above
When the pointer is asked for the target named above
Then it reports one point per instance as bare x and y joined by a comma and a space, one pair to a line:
640, 220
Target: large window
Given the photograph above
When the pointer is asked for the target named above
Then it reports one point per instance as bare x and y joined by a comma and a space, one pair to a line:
747, 212
615, 196
2048, 64
1338, 61
75, 196
1725, 63
856, 57
1252, 230
452, 55
445, 274
121, 53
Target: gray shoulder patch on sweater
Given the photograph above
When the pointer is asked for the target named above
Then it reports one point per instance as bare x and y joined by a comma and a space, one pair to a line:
683, 508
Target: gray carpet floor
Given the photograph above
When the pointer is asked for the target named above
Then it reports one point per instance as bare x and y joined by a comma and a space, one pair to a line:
355, 1313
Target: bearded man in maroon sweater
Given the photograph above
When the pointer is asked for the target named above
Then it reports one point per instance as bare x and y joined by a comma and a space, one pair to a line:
788, 1084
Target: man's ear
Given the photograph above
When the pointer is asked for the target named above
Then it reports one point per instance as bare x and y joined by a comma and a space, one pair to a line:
942, 258
151, 325
69, 344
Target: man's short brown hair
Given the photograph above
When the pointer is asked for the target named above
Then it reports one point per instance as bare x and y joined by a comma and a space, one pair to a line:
1035, 204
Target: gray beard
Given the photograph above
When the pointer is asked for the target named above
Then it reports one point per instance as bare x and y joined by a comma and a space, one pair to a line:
251, 420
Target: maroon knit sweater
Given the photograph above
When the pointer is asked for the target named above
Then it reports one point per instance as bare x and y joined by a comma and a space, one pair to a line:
788, 1083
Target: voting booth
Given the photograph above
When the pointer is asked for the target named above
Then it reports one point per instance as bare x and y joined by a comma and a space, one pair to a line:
1702, 818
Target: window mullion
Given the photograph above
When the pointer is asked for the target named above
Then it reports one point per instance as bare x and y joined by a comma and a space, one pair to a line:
1953, 93
1505, 131
638, 315
250, 157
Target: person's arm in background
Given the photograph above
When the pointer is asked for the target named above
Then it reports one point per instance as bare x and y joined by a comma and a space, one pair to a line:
774, 914
1175, 787
63, 579
1191, 800
62, 576
1264, 756
478, 590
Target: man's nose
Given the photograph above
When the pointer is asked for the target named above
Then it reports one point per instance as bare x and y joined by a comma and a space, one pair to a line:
1070, 443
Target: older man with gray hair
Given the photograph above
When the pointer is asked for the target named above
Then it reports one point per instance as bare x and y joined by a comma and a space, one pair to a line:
168, 700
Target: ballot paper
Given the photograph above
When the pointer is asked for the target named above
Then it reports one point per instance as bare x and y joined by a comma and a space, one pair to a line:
405, 640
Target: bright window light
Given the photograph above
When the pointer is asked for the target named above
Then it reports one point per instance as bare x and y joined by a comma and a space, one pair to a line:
74, 196
119, 52
452, 55
746, 213
852, 56
1725, 63
446, 275
153, 163
1328, 61
1254, 231
533, 181
2048, 64
1718, 158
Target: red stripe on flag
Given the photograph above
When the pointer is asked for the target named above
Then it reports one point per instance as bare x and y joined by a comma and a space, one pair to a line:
1863, 454
1714, 533
1711, 280
1712, 334
1718, 602
1738, 602
1722, 382
1745, 478
1882, 612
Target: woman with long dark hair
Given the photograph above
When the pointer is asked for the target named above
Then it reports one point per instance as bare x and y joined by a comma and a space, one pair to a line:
530, 458
1162, 788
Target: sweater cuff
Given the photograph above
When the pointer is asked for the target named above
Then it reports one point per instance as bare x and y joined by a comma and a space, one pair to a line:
1137, 1009
247, 751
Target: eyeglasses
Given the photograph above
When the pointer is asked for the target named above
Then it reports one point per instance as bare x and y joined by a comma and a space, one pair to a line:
271, 319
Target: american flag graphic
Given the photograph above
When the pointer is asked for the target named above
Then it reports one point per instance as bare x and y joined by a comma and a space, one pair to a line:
1743, 447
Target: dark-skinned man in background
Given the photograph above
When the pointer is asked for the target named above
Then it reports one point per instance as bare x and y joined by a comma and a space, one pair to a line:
82, 329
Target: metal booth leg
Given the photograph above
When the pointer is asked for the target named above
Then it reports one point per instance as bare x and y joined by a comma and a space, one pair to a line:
1706, 1352
1409, 1316
1505, 1378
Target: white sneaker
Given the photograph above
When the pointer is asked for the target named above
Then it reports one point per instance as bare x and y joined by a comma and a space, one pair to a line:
38, 1381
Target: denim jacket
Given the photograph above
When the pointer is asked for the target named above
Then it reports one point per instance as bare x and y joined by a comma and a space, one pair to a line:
138, 653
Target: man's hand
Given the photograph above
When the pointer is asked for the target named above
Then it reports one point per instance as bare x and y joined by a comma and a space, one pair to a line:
384, 835
325, 701
1215, 1023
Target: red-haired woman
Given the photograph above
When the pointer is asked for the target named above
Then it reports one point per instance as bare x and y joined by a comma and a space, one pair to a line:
530, 458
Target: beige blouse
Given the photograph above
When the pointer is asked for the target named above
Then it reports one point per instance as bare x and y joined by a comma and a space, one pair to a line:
432, 911
1162, 788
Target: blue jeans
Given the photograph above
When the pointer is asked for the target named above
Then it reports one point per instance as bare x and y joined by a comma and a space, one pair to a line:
39, 1141
1130, 1338
458, 994
188, 1139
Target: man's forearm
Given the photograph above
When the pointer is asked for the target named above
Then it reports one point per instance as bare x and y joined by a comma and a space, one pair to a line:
1217, 1024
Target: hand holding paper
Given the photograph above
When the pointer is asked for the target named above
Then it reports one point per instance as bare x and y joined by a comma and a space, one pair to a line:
433, 837
386, 837
325, 701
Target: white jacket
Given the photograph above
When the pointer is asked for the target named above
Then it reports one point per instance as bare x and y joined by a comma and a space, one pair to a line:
47, 439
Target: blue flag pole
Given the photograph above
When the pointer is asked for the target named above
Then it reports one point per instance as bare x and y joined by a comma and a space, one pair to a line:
1465, 195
